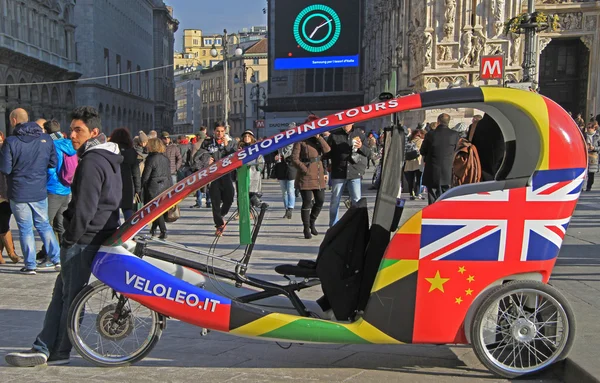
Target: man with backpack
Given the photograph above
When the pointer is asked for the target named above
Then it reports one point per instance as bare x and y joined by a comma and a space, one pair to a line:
59, 184
25, 158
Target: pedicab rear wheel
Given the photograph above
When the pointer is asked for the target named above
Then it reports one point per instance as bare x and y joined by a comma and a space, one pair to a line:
110, 330
522, 327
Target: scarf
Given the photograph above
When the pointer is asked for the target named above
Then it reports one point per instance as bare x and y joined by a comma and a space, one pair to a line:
98, 140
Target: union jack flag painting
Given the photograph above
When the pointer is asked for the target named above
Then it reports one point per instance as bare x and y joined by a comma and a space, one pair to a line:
523, 224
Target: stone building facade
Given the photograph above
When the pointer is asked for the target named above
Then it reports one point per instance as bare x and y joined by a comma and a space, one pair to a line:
188, 100
165, 27
119, 37
419, 46
37, 46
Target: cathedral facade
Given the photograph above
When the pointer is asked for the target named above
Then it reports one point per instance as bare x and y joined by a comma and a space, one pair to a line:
415, 46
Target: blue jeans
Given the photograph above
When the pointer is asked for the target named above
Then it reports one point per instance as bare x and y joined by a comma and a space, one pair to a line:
337, 188
199, 196
289, 194
76, 263
28, 215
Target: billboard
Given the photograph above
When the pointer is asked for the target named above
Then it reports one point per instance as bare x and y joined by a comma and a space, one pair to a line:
317, 34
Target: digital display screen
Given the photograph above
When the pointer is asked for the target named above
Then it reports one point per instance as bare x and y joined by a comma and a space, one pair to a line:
317, 34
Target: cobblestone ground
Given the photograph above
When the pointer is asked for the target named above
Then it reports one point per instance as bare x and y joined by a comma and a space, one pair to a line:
184, 355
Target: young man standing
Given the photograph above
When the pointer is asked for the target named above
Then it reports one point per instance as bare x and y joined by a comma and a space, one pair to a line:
26, 157
348, 156
173, 154
92, 216
221, 191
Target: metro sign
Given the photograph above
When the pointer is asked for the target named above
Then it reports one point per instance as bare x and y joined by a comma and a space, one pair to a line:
259, 124
492, 67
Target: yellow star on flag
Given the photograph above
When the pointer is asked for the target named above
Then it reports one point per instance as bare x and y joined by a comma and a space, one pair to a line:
468, 291
462, 269
437, 282
471, 278
458, 300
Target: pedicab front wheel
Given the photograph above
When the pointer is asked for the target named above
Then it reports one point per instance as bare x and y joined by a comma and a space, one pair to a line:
110, 330
522, 327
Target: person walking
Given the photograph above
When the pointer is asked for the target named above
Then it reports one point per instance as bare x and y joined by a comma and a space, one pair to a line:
200, 158
156, 179
438, 149
311, 179
348, 157
6, 240
130, 171
173, 153
25, 159
221, 190
92, 216
256, 168
413, 169
592, 140
285, 173
59, 188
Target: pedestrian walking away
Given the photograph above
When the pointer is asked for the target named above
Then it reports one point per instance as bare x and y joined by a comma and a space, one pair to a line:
173, 153
156, 179
26, 176
6, 239
130, 171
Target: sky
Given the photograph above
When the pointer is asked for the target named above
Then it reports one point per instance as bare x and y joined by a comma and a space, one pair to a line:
212, 16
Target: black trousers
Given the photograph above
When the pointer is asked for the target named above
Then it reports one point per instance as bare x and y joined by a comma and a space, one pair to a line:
590, 181
221, 195
414, 182
5, 214
308, 195
160, 222
434, 192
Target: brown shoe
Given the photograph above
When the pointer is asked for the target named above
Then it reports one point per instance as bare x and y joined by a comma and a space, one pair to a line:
220, 231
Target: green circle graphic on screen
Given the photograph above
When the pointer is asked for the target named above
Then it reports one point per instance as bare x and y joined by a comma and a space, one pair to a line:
317, 28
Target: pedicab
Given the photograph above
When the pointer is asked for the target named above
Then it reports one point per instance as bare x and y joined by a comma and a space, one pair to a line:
472, 268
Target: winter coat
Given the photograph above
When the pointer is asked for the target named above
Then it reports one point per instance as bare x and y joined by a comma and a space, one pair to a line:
256, 168
185, 149
489, 141
219, 150
130, 173
174, 155
438, 149
157, 176
345, 165
306, 157
417, 163
200, 160
25, 159
593, 154
93, 213
284, 170
63, 147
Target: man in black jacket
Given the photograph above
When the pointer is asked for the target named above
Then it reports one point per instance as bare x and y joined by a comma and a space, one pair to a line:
487, 137
438, 150
221, 191
348, 156
92, 216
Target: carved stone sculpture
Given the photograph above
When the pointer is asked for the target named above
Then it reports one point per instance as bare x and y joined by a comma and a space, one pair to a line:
571, 21
587, 41
543, 43
444, 53
515, 48
479, 41
450, 13
498, 11
428, 45
466, 48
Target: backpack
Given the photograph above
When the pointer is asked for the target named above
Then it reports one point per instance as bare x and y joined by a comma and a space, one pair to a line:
466, 168
67, 170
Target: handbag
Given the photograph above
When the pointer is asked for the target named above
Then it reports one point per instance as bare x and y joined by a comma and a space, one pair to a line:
137, 203
173, 214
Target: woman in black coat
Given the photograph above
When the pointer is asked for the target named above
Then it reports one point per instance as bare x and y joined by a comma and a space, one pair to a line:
130, 170
156, 179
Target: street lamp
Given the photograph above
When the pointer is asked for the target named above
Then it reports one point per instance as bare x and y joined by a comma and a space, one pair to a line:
256, 94
215, 53
244, 80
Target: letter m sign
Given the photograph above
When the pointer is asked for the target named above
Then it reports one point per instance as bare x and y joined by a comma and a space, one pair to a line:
492, 67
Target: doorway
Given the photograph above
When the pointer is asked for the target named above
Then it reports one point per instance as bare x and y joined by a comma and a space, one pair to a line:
564, 69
